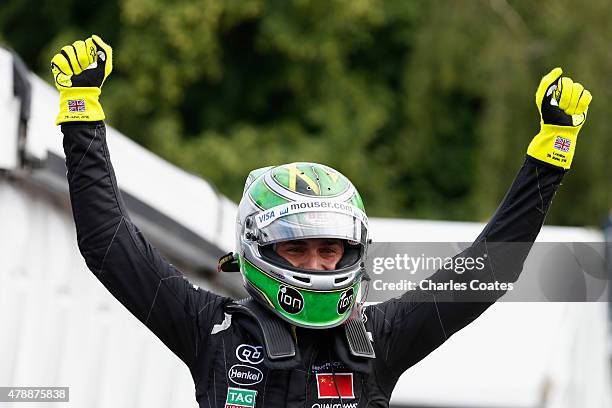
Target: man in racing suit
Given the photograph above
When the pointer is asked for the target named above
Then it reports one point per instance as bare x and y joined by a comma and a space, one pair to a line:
224, 350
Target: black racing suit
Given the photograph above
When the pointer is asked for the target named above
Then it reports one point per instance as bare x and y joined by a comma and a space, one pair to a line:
223, 354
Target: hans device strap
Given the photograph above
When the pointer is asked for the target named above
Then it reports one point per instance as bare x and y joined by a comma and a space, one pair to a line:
357, 337
279, 341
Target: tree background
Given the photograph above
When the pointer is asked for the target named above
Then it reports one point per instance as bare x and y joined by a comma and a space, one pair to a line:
427, 106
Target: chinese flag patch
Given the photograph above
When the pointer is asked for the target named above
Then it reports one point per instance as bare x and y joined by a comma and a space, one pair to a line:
327, 388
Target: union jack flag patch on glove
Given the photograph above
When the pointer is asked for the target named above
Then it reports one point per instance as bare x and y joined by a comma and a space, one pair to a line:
77, 105
562, 144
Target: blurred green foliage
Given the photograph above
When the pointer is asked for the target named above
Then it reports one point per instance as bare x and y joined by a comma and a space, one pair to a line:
427, 106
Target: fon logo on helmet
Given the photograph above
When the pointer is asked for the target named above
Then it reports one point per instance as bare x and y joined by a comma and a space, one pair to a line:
345, 301
249, 354
290, 300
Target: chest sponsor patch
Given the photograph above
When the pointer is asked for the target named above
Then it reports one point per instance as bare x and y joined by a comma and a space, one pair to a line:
240, 398
327, 366
249, 354
334, 405
242, 374
335, 385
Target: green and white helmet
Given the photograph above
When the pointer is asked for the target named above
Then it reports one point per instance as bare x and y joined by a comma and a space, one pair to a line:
301, 201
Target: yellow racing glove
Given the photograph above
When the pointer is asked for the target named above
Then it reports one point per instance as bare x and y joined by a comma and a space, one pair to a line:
563, 106
79, 71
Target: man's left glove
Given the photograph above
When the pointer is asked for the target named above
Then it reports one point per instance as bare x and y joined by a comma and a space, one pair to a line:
79, 71
563, 106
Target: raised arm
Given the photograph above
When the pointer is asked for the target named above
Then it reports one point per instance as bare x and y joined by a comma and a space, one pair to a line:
153, 290
410, 327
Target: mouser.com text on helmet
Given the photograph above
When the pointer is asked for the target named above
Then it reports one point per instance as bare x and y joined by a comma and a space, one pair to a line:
266, 217
321, 204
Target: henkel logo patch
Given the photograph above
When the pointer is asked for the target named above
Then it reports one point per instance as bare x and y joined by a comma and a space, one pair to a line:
290, 300
335, 385
244, 375
249, 354
240, 398
346, 300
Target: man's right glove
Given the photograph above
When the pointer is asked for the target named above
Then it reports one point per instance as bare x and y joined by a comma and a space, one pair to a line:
563, 106
79, 71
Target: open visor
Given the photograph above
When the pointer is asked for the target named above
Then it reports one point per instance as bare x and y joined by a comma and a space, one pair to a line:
311, 219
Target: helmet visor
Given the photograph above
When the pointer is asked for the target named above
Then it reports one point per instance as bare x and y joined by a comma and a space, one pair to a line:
303, 220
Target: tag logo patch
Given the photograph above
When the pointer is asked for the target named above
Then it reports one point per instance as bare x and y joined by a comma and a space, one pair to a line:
249, 354
77, 105
240, 398
341, 387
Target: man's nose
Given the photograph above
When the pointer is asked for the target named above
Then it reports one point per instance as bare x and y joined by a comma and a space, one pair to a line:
313, 262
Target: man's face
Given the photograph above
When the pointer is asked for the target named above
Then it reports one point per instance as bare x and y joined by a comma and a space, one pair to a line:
321, 254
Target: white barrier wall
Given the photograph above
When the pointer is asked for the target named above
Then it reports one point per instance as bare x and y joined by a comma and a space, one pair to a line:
60, 327
9, 113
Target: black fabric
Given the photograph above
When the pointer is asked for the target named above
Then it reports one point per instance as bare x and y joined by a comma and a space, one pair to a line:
552, 114
183, 316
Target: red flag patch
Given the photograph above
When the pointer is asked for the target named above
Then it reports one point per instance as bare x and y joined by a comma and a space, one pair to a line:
328, 388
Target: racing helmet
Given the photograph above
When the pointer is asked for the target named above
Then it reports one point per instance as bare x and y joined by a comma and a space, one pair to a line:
301, 201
